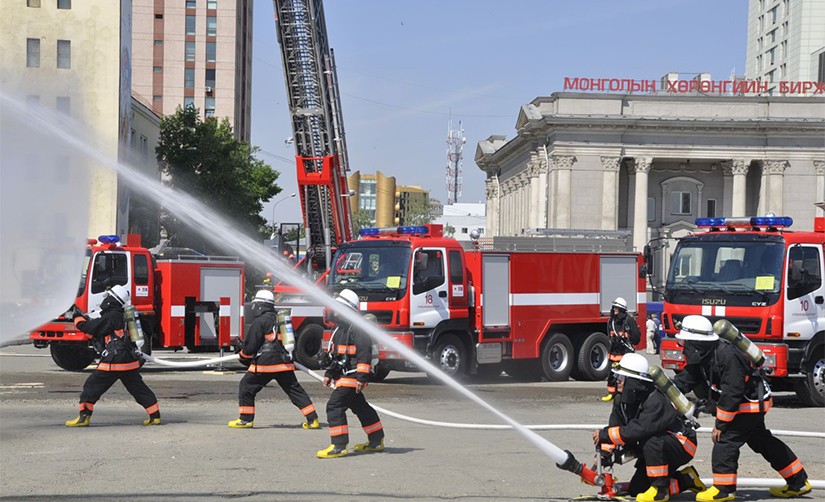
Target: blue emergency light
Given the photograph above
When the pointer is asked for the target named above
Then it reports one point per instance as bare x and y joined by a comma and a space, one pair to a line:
413, 230
108, 239
746, 222
405, 230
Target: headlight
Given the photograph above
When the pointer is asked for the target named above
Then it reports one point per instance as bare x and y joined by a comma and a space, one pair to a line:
770, 361
673, 355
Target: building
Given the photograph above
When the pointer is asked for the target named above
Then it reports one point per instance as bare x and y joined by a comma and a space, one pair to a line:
462, 218
143, 212
786, 42
195, 52
384, 203
652, 163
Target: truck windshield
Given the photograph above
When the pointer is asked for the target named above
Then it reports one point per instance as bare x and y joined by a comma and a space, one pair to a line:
751, 269
83, 272
373, 270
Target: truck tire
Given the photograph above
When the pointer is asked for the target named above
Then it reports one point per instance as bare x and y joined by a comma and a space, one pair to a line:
557, 358
308, 345
72, 356
379, 373
811, 389
592, 362
450, 356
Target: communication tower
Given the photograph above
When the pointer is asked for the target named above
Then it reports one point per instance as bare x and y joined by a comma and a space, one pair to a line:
455, 147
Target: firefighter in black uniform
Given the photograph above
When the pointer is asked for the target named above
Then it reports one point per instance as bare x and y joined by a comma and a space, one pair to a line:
350, 366
645, 424
623, 333
739, 398
118, 360
268, 359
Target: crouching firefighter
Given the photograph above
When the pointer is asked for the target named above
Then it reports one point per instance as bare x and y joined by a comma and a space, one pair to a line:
644, 424
267, 352
725, 372
119, 359
624, 334
349, 366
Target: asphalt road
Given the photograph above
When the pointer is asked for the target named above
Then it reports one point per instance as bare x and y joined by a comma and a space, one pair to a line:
194, 456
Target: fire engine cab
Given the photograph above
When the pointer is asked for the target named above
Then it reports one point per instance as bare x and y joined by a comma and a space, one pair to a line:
767, 281
480, 312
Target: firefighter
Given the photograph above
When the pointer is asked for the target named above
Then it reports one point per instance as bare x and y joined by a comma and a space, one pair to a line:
268, 359
624, 334
739, 397
350, 366
644, 424
118, 359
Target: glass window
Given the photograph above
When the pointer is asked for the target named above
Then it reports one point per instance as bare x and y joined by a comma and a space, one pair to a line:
211, 51
158, 42
188, 101
189, 78
190, 50
209, 107
158, 69
64, 4
157, 97
191, 25
211, 26
804, 275
456, 268
33, 53
210, 78
64, 104
211, 4
711, 209
191, 4
429, 270
680, 203
141, 269
109, 269
64, 54
32, 3
651, 209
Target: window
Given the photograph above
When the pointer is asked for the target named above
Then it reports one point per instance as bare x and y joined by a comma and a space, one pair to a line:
772, 14
32, 53
190, 50
64, 104
157, 97
64, 4
772, 35
32, 3
210, 78
711, 208
772, 56
821, 72
429, 270
211, 4
783, 50
158, 43
211, 50
189, 78
209, 107
109, 269
141, 269
158, 16
456, 268
188, 101
651, 209
64, 54
464, 230
680, 203
804, 274
158, 69
191, 4
191, 25
144, 148
211, 26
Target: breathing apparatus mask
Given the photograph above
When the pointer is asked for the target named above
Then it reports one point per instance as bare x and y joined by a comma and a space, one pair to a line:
263, 302
697, 352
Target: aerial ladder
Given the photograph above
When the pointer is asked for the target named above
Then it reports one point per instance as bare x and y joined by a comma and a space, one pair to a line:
317, 125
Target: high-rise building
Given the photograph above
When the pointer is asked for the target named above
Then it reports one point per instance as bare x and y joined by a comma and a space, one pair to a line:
786, 42
384, 203
195, 52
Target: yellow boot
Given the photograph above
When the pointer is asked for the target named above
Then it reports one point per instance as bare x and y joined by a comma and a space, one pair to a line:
607, 398
713, 494
369, 447
152, 421
692, 480
240, 424
82, 420
311, 425
787, 491
333, 451
653, 494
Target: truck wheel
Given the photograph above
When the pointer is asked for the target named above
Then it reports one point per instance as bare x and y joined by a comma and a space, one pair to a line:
811, 389
451, 356
557, 358
72, 356
593, 362
308, 346
379, 373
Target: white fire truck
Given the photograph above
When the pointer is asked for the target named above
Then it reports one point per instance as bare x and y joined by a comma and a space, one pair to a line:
183, 300
767, 281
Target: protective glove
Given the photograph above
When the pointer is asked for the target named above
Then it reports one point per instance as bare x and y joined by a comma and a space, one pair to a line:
74, 312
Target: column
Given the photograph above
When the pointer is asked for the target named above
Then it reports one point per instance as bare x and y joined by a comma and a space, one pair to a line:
727, 189
493, 197
505, 213
563, 165
541, 207
610, 192
761, 208
819, 169
533, 174
739, 170
641, 166
776, 185
523, 202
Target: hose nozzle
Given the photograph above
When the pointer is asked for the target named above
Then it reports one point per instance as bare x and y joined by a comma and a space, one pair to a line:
587, 475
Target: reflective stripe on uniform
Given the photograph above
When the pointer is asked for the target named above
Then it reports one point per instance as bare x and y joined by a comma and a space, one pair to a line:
369, 429
153, 409
118, 367
339, 430
87, 406
307, 410
347, 349
271, 368
246, 410
724, 479
346, 382
687, 444
364, 367
657, 471
615, 436
792, 469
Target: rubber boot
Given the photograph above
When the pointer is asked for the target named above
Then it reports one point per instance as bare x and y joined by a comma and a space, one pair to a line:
313, 424
333, 451
715, 494
789, 491
240, 424
689, 480
153, 419
82, 420
607, 398
654, 494
369, 447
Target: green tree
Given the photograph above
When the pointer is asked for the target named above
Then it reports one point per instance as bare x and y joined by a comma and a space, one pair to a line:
449, 230
361, 219
204, 159
418, 211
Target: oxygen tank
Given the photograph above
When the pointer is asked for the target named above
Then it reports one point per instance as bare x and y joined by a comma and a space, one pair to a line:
729, 332
375, 349
682, 404
285, 330
133, 324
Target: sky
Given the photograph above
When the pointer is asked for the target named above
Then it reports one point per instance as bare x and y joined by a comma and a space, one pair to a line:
407, 68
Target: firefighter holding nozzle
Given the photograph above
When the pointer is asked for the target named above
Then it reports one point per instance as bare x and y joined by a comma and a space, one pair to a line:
623, 333
267, 352
351, 356
645, 424
723, 368
119, 358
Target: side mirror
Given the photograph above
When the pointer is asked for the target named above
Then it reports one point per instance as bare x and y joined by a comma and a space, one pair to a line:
648, 257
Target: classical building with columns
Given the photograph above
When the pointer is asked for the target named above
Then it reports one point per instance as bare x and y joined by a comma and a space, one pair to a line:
653, 163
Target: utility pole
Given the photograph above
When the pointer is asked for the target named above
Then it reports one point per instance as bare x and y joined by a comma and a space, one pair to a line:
455, 147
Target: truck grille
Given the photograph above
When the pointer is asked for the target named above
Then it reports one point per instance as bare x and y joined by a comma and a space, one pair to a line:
383, 316
747, 325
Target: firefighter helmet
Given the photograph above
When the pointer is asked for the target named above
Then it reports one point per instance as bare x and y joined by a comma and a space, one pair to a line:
120, 293
697, 328
349, 298
634, 366
620, 303
264, 295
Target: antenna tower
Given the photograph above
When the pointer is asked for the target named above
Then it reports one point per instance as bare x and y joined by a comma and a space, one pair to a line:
455, 147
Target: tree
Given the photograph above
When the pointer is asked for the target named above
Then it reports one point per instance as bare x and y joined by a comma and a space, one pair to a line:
361, 219
449, 230
204, 159
418, 211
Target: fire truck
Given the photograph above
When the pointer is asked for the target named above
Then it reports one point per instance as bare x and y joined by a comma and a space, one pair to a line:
767, 281
482, 311
182, 299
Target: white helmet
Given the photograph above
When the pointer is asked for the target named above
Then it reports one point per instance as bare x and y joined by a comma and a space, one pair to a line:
264, 295
697, 328
634, 366
349, 298
120, 293
620, 302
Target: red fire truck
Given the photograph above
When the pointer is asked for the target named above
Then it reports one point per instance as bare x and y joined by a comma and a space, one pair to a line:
479, 312
768, 282
183, 300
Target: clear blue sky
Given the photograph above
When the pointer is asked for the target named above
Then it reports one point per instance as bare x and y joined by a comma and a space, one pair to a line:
406, 67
